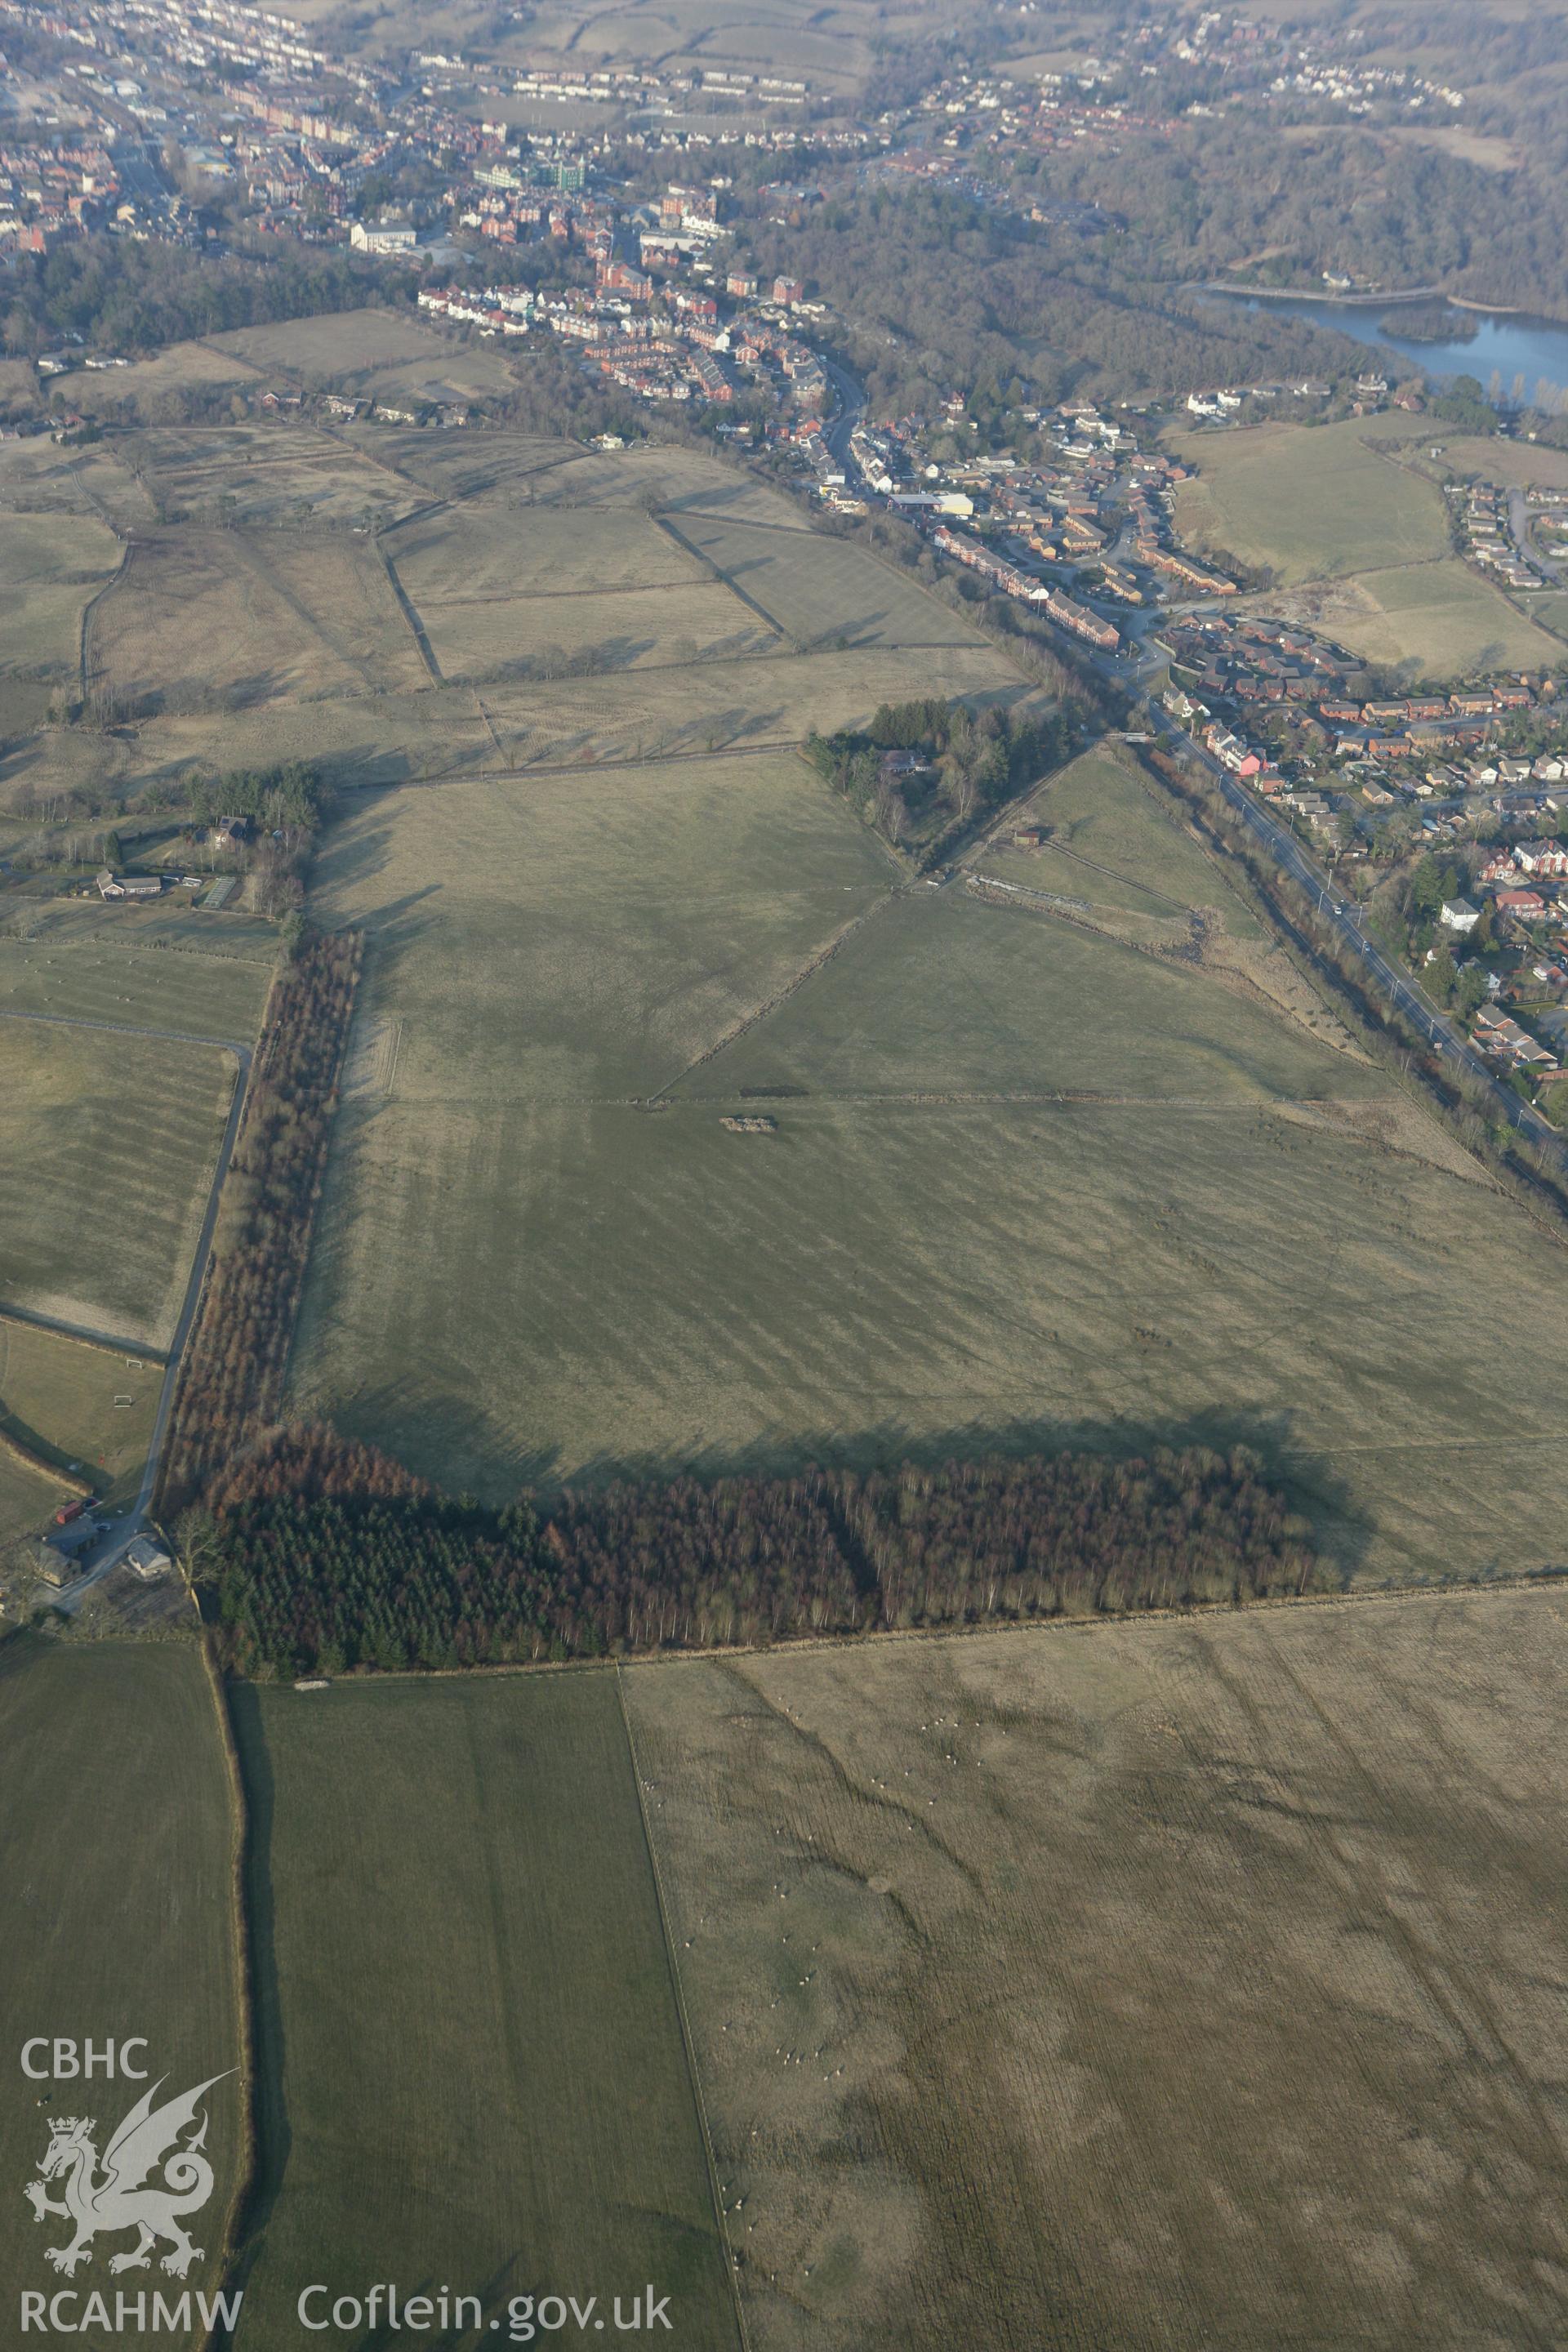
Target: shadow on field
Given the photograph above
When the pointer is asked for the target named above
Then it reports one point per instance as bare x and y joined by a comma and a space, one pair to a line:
269, 2114
453, 1452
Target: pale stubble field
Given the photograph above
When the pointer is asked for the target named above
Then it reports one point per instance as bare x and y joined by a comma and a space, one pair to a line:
1160, 1986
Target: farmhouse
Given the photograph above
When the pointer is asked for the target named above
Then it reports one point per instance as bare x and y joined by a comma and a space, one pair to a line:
148, 1559
131, 886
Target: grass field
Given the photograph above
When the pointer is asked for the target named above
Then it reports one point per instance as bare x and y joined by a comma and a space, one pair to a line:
1494, 460
390, 739
49, 566
480, 551
28, 1497
1160, 1987
180, 994
109, 1135
821, 590
469, 2055
1356, 536
1111, 842
662, 629
265, 476
572, 937
107, 1149
114, 1851
778, 698
77, 1405
332, 348
494, 466
680, 481
934, 1251
166, 926
1431, 620
154, 390
254, 617
1310, 503
41, 476
951, 997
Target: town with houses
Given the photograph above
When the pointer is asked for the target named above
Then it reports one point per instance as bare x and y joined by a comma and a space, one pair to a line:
149, 118
624, 241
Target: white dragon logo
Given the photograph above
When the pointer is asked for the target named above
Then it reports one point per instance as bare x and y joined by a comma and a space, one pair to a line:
117, 2198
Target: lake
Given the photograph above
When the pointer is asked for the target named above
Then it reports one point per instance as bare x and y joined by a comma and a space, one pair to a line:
1504, 348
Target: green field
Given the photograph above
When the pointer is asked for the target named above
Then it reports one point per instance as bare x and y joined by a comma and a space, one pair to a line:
78, 1406
182, 994
49, 566
1440, 619
254, 617
107, 1149
205, 937
111, 1120
571, 937
574, 626
1111, 842
1356, 534
469, 2056
458, 554
115, 1855
819, 590
952, 997
1309, 502
266, 475
667, 627
1171, 1986
935, 1250
331, 349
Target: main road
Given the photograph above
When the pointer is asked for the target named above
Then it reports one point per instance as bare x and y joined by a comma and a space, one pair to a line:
851, 409
1395, 986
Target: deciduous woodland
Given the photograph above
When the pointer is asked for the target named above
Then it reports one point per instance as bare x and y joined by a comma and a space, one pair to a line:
232, 1380
922, 770
327, 1556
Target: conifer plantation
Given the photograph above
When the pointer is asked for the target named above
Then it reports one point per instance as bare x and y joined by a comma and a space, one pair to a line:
326, 1556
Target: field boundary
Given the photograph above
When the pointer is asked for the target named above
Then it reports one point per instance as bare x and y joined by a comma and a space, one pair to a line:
244, 1980
1551, 1579
723, 579
687, 2040
76, 1337
31, 1459
415, 625
90, 608
823, 957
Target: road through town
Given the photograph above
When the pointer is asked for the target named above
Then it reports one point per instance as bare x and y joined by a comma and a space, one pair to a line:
1396, 987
